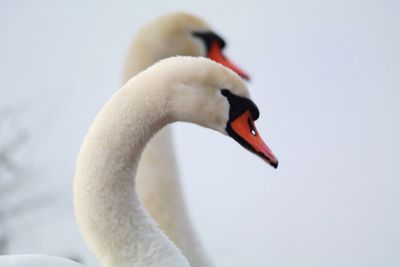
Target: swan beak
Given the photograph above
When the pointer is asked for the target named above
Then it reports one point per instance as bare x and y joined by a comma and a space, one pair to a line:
215, 53
247, 135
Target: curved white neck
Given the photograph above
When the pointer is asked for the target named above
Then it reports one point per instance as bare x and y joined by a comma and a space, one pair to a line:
108, 211
165, 201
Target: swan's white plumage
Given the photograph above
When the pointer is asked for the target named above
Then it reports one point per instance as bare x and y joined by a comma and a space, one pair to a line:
36, 261
167, 36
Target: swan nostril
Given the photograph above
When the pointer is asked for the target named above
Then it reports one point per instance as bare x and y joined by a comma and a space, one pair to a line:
252, 128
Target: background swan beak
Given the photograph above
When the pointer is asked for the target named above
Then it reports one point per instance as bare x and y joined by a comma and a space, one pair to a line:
247, 135
215, 53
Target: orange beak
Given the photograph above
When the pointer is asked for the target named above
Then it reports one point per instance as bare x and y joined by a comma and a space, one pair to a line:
215, 53
244, 127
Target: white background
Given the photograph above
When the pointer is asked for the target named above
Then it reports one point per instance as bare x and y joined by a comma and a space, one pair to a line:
325, 76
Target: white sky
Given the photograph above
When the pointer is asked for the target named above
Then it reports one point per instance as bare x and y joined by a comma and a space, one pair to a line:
325, 77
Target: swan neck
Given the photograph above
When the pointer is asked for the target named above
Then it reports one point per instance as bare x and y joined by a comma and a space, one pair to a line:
111, 218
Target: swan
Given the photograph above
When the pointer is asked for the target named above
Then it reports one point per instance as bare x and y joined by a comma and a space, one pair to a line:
158, 182
111, 218
36, 260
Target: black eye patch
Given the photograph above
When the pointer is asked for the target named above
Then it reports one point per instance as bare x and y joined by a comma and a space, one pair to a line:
208, 38
239, 105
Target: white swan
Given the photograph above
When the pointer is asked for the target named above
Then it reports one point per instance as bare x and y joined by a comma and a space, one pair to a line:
111, 218
158, 182
36, 261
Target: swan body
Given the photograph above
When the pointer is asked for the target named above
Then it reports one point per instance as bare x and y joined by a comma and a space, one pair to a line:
110, 215
36, 261
158, 182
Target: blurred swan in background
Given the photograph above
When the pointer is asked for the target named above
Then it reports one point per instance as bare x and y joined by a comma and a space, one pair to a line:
158, 182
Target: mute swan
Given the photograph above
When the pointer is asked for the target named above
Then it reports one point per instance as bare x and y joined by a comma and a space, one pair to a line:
36, 261
111, 218
158, 182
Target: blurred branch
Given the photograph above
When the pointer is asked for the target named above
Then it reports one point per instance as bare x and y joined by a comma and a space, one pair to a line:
12, 138
19, 198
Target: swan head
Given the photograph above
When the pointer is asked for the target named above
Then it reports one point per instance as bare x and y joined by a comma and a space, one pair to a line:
209, 94
182, 34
